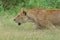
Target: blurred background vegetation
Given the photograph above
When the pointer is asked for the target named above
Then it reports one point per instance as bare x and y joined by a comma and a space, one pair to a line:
9, 30
16, 5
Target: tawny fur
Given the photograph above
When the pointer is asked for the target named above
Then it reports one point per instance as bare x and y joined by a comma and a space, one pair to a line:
41, 17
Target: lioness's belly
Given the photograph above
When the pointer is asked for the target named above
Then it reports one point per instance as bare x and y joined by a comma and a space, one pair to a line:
55, 19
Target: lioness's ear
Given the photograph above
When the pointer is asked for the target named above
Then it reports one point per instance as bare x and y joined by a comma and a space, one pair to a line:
24, 12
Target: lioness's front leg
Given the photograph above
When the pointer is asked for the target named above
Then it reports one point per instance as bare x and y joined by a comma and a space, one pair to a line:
36, 26
47, 24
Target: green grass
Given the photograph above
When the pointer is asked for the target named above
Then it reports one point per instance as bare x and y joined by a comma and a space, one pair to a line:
9, 30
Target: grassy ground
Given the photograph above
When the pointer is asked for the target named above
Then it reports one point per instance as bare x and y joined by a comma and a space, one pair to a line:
9, 30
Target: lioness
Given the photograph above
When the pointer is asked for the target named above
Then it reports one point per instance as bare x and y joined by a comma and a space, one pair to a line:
40, 17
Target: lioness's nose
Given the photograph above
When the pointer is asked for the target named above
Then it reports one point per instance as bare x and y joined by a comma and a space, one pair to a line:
14, 19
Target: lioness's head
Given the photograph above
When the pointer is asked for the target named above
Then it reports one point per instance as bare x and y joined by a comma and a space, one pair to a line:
21, 17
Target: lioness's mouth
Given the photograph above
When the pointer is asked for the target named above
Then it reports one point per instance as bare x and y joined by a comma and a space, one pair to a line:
19, 23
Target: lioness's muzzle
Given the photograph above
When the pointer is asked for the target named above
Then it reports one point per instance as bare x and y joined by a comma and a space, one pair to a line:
19, 23
14, 19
